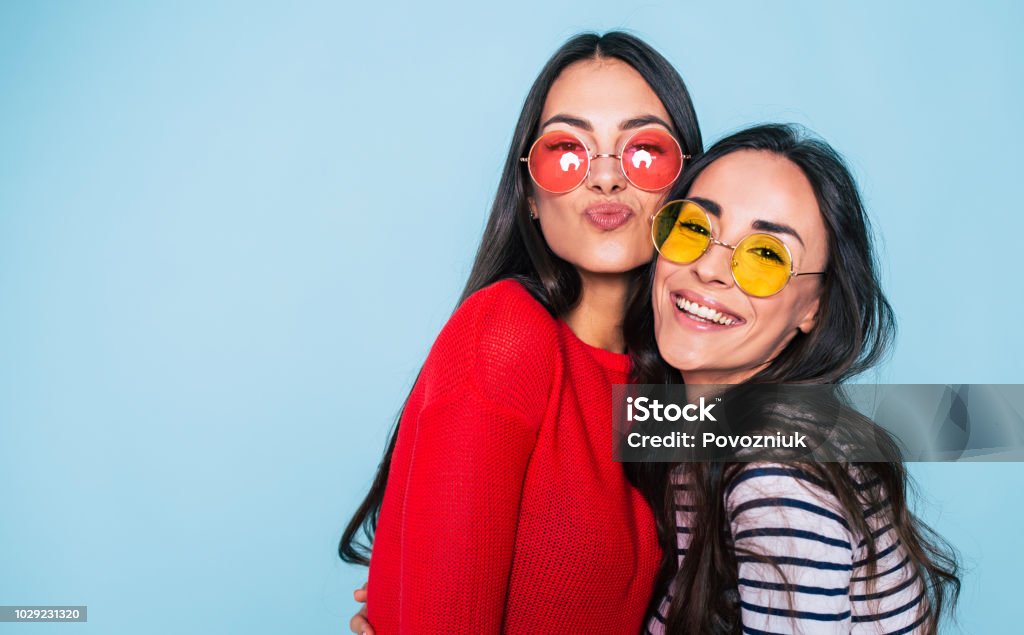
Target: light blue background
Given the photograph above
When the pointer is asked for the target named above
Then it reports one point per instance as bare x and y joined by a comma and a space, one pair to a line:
213, 303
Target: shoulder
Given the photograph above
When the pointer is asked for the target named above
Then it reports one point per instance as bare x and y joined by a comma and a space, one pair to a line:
765, 478
777, 493
503, 342
503, 322
505, 305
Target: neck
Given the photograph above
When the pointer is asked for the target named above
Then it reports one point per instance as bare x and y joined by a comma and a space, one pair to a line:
719, 377
597, 318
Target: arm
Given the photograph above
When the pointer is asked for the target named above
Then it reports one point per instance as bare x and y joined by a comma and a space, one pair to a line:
778, 512
464, 448
460, 515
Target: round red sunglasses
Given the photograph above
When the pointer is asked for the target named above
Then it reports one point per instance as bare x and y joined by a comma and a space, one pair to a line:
559, 161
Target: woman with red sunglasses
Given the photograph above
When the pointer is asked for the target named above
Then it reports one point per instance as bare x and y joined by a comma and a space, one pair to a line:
497, 506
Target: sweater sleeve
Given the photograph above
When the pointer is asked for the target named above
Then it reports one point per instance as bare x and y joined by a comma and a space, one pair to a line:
484, 391
784, 516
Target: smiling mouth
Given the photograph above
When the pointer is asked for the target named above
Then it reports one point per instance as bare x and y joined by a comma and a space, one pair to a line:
700, 313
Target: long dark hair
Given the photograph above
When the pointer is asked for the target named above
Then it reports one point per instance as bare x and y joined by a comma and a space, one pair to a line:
512, 245
854, 328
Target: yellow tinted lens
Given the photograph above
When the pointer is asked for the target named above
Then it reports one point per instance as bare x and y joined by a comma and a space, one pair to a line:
681, 231
761, 265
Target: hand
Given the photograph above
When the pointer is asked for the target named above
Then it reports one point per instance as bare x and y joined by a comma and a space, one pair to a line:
359, 624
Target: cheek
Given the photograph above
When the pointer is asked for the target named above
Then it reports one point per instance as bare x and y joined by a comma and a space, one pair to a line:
663, 270
554, 225
672, 340
653, 201
649, 204
659, 291
775, 326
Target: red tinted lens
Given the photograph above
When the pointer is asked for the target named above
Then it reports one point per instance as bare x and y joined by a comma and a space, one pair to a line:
558, 161
652, 159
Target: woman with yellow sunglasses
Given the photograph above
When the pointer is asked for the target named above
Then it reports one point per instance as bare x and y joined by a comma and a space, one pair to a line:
766, 275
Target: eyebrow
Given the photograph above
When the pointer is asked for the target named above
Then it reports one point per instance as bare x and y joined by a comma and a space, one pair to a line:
761, 225
645, 120
628, 124
777, 228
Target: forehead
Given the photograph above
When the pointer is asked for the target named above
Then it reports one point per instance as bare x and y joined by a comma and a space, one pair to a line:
752, 185
605, 91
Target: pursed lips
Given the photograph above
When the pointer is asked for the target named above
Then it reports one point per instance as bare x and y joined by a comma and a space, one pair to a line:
608, 216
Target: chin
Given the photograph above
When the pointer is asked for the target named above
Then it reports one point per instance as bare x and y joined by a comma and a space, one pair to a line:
605, 259
609, 266
670, 352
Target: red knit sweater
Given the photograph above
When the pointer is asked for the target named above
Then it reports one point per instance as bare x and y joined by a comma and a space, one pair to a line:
504, 510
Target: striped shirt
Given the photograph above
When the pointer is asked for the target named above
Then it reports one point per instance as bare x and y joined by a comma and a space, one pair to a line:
783, 514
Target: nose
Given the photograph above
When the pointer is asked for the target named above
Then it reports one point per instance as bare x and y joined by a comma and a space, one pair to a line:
714, 268
606, 175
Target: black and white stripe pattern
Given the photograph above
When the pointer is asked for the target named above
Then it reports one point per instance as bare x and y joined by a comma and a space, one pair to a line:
787, 516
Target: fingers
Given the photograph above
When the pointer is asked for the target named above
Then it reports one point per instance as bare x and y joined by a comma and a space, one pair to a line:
359, 624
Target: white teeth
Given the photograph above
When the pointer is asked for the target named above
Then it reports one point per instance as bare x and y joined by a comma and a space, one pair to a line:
704, 313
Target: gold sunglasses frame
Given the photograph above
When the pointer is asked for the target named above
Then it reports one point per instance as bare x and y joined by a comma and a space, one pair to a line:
604, 155
713, 240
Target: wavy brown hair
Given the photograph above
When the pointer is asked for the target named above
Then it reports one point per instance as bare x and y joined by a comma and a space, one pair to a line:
854, 329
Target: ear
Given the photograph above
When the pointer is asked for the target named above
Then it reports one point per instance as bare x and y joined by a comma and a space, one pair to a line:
810, 317
533, 207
